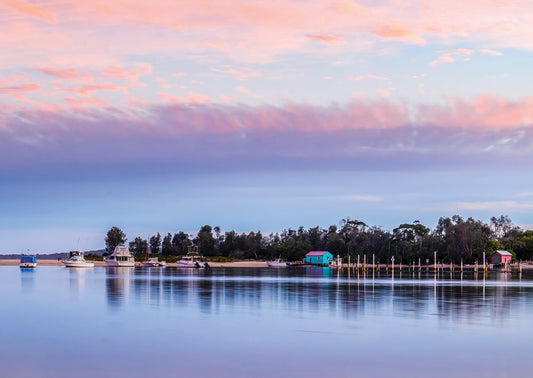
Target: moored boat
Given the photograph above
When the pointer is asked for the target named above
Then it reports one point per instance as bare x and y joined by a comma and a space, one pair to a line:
278, 263
121, 256
154, 263
76, 260
189, 261
28, 261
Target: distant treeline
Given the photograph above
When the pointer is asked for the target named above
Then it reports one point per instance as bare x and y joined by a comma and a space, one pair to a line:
97, 254
453, 239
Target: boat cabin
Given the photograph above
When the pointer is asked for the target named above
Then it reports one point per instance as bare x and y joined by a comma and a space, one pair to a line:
501, 257
319, 257
28, 259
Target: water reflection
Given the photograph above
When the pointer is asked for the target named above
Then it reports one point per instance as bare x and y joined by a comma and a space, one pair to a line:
459, 297
27, 279
234, 320
117, 285
77, 280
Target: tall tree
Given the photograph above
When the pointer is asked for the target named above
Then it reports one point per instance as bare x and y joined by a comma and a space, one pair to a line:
502, 226
166, 248
139, 246
205, 241
115, 236
155, 243
181, 243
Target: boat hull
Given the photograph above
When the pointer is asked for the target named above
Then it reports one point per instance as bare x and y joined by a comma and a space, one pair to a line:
277, 264
155, 265
28, 265
185, 265
79, 265
127, 264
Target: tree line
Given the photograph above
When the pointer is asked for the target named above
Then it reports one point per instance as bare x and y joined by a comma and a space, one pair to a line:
454, 239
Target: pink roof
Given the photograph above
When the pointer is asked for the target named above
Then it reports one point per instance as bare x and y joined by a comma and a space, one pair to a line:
317, 253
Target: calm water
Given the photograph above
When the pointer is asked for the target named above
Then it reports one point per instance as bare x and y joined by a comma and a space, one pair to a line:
305, 322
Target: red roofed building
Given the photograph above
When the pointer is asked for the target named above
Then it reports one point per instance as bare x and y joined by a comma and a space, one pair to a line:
501, 257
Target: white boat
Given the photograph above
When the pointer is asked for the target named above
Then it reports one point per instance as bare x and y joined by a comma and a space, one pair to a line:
76, 260
189, 261
121, 256
154, 262
278, 263
28, 261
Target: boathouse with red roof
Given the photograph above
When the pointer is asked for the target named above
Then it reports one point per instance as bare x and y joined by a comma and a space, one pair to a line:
501, 257
318, 257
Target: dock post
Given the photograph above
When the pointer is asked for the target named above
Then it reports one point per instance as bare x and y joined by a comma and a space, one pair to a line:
373, 262
484, 266
435, 259
364, 263
348, 263
357, 262
461, 264
475, 266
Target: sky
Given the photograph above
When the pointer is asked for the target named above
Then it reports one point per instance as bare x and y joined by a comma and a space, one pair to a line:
166, 115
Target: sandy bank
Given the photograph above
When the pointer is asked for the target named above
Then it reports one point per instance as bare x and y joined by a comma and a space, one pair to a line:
238, 264
42, 262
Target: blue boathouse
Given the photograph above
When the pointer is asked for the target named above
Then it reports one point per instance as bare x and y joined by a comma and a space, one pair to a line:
319, 257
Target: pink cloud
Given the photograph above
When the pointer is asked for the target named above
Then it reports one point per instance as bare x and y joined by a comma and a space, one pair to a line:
450, 56
491, 52
191, 98
114, 72
394, 31
19, 93
385, 92
486, 111
76, 104
369, 76
363, 134
249, 92
13, 79
27, 9
218, 45
331, 40
78, 75
255, 31
225, 98
70, 73
239, 75
88, 90
17, 90
442, 59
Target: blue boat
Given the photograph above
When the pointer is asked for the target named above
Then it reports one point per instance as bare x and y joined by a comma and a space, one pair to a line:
28, 261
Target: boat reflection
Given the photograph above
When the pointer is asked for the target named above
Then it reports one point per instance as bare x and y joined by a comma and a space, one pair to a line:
117, 285
27, 279
77, 281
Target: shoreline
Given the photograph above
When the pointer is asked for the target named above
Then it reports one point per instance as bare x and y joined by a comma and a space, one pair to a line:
263, 264
236, 264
